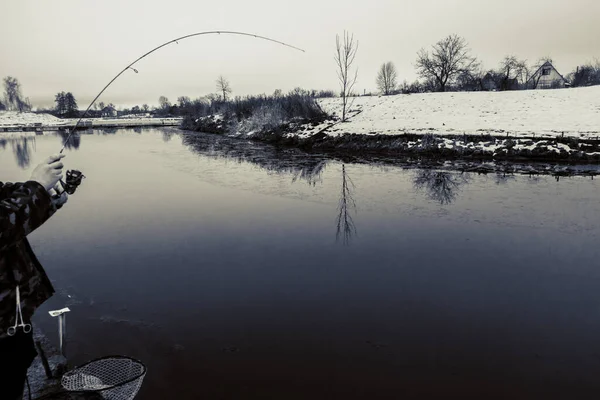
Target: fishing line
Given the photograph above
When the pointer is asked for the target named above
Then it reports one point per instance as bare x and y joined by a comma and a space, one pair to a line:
176, 40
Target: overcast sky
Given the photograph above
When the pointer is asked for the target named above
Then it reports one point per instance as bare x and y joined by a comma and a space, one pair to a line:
78, 46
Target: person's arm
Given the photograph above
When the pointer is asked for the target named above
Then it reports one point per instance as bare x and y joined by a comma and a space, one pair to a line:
23, 208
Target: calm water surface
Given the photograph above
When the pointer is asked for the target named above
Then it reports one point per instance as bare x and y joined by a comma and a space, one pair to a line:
237, 271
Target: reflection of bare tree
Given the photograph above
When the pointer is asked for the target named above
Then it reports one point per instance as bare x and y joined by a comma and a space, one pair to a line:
167, 135
21, 150
503, 178
440, 186
73, 142
346, 228
311, 174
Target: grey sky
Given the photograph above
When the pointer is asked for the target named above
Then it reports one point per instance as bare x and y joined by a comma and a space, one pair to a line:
79, 45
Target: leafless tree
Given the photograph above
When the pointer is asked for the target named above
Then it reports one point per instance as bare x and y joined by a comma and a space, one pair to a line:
183, 101
224, 87
346, 228
145, 107
13, 97
509, 65
512, 68
544, 60
449, 58
164, 102
386, 78
344, 58
523, 72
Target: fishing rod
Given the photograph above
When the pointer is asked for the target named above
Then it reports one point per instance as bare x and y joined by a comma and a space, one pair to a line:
75, 177
176, 40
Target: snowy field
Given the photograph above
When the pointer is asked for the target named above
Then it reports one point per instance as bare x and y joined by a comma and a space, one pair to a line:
543, 113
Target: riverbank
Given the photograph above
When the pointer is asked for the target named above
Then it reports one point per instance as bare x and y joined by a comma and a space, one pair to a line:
11, 121
538, 125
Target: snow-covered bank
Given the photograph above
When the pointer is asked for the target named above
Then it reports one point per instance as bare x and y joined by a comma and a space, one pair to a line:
15, 124
14, 118
573, 112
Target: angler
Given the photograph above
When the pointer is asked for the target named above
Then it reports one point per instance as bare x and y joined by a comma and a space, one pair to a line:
24, 285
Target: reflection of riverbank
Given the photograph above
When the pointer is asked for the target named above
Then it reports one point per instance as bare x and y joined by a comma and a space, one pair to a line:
302, 166
373, 150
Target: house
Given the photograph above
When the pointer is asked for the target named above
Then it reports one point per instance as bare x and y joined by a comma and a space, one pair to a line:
510, 84
108, 111
488, 82
546, 77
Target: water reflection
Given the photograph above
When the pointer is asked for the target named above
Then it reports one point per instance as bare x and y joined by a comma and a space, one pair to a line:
439, 185
503, 178
302, 166
167, 136
346, 229
22, 148
71, 143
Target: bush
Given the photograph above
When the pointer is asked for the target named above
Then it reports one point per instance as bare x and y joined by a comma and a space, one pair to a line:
585, 75
255, 113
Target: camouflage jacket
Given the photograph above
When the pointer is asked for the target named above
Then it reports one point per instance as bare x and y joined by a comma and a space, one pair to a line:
24, 206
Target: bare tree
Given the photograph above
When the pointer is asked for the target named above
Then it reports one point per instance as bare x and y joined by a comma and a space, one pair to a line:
344, 58
386, 78
224, 87
13, 97
449, 58
508, 65
164, 102
523, 72
183, 101
512, 68
544, 60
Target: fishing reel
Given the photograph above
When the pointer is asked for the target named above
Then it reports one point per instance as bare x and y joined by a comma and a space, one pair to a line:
74, 178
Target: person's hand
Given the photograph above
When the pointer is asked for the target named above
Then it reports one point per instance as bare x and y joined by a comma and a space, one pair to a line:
49, 172
62, 199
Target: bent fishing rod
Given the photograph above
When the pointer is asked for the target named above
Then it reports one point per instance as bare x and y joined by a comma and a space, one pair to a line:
176, 40
74, 177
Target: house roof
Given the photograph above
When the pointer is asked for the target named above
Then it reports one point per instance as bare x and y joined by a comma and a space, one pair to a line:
546, 64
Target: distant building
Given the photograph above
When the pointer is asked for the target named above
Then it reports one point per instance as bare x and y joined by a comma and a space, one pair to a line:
488, 82
108, 111
546, 77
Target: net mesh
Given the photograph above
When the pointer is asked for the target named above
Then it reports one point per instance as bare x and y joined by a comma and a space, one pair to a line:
115, 378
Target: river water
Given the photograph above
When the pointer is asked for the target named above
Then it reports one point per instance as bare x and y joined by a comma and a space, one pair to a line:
234, 270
